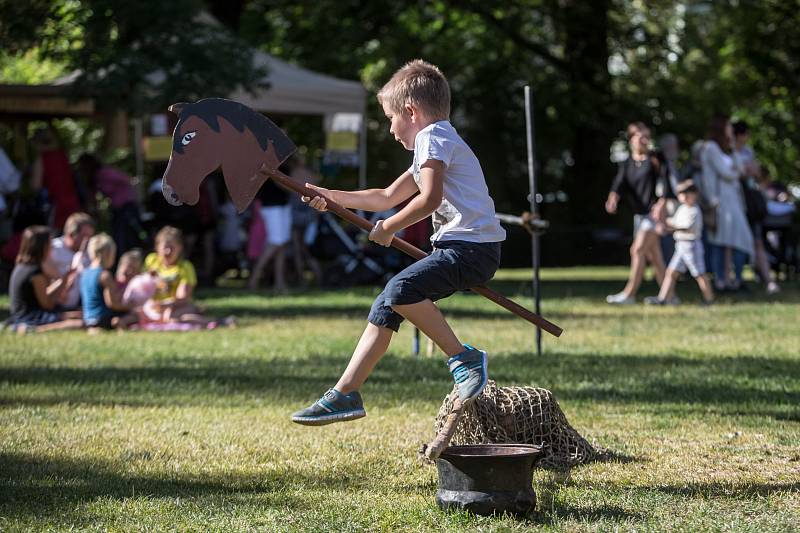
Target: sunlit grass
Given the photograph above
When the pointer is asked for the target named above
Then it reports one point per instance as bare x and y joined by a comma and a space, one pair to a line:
190, 431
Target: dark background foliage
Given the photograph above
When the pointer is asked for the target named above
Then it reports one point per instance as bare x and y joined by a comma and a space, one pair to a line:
593, 67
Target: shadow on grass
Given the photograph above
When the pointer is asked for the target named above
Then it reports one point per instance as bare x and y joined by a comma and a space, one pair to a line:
55, 488
307, 304
728, 490
610, 456
740, 385
560, 512
552, 510
220, 301
553, 289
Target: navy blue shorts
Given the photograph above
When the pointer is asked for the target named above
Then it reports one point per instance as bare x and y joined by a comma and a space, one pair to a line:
451, 267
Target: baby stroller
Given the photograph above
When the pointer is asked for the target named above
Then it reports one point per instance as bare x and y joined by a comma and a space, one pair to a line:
356, 260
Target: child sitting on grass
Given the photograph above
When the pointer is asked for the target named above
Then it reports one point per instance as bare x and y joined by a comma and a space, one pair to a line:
33, 296
687, 225
446, 181
175, 282
129, 266
101, 298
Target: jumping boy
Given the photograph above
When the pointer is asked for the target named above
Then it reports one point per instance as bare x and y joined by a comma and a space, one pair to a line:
466, 239
687, 225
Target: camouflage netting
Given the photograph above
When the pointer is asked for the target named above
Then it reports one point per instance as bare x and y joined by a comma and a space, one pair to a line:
520, 415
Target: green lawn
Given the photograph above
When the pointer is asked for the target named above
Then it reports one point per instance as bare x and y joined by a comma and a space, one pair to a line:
190, 431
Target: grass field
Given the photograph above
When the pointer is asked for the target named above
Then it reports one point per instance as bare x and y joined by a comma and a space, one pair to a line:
190, 431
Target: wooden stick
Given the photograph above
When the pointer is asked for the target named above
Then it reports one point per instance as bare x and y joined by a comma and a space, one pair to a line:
433, 449
408, 248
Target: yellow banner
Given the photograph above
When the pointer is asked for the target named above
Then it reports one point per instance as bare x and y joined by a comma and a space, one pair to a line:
157, 148
341, 141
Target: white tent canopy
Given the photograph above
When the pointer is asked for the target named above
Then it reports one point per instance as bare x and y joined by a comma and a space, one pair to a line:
295, 90
298, 91
290, 90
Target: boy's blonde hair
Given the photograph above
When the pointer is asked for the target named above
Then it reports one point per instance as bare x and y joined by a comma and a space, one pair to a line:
102, 246
420, 84
169, 233
131, 256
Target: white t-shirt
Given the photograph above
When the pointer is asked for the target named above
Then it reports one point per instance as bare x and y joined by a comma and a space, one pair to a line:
467, 211
688, 223
64, 258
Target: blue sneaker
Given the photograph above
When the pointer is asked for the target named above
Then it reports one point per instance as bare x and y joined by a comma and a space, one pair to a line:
469, 369
332, 407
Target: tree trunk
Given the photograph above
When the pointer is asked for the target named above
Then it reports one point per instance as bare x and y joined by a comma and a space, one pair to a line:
586, 52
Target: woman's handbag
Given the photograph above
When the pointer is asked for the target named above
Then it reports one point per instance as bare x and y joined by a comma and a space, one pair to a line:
709, 211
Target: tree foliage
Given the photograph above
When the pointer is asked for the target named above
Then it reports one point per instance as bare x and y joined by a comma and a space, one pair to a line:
593, 67
138, 56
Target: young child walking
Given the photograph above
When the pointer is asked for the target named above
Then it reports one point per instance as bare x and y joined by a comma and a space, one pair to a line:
100, 295
687, 225
466, 240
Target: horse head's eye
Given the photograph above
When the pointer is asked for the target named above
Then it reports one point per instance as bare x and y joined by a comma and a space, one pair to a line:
188, 137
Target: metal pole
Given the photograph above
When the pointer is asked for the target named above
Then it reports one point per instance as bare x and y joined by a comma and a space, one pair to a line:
534, 209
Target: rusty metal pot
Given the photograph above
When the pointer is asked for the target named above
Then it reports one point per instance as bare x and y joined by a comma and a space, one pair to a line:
487, 479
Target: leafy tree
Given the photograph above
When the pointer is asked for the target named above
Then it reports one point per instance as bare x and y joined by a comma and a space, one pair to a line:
593, 67
137, 56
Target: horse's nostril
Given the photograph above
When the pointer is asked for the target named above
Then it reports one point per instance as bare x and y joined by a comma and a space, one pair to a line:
169, 195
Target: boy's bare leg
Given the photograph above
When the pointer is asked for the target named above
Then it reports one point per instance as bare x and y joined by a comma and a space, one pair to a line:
370, 348
705, 287
430, 320
669, 284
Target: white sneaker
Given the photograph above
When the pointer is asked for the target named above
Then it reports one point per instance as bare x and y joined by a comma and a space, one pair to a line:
620, 299
773, 288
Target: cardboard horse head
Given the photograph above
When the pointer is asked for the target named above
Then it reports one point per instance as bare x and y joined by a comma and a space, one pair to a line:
215, 133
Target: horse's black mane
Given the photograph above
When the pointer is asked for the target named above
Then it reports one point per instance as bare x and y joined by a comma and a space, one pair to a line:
239, 116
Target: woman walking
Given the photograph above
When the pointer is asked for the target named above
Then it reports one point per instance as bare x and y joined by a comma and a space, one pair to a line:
722, 170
